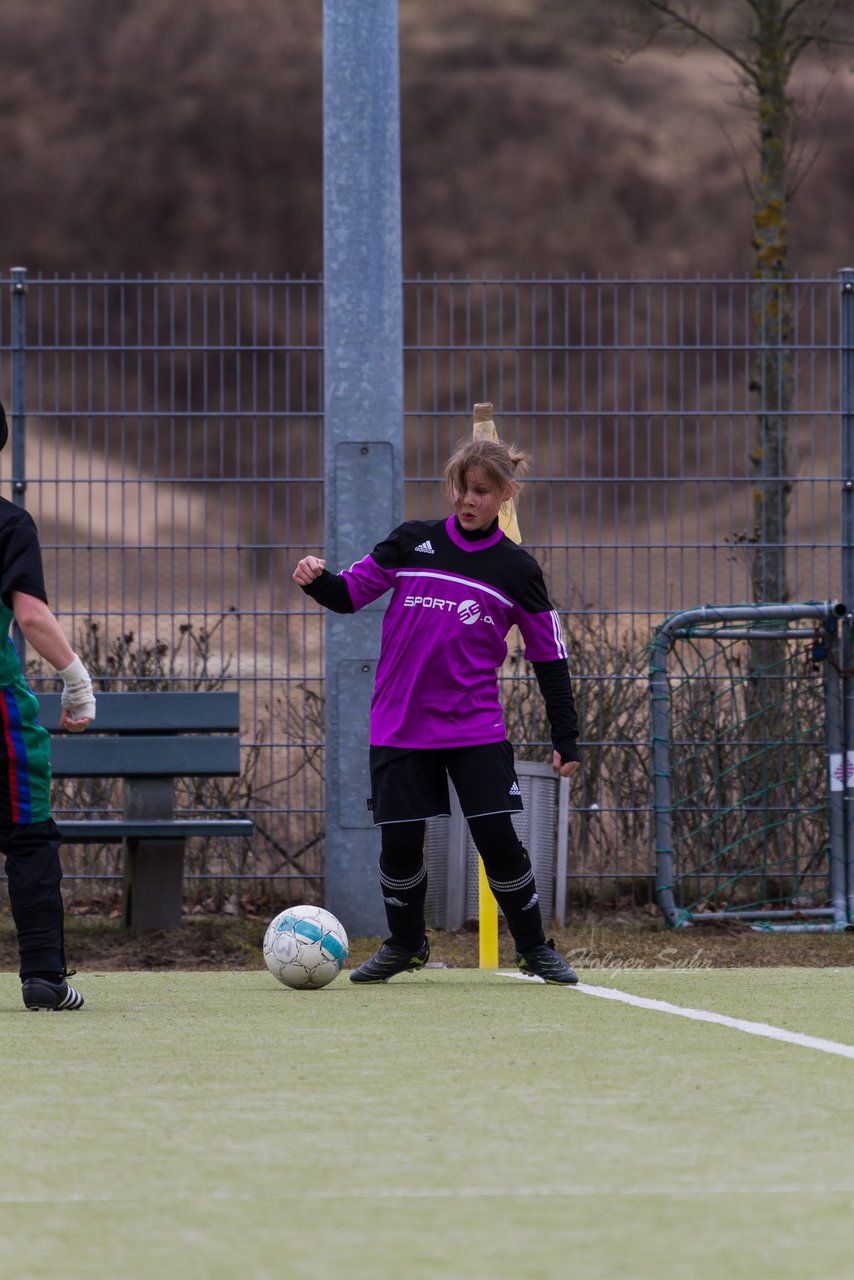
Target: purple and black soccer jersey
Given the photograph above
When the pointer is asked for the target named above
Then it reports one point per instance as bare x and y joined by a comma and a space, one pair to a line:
454, 599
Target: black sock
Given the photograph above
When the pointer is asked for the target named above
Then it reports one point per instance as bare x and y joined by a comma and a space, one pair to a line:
511, 877
403, 878
517, 898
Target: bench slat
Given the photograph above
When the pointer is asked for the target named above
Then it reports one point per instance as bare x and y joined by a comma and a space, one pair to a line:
111, 830
82, 756
130, 713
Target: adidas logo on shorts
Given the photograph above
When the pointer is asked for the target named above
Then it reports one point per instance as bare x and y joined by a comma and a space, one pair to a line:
426, 547
514, 790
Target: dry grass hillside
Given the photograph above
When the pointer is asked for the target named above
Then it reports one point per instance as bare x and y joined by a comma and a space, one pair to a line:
149, 136
153, 138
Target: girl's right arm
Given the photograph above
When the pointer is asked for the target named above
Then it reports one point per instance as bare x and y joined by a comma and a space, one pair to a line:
326, 588
364, 582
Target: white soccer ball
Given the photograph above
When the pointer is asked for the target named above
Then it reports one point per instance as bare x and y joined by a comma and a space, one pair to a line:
305, 947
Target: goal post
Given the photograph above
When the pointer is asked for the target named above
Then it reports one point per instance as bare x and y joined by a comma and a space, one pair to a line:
749, 806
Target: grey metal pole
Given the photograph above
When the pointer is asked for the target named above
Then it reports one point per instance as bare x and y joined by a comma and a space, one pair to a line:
662, 801
17, 403
18, 410
836, 805
363, 408
846, 405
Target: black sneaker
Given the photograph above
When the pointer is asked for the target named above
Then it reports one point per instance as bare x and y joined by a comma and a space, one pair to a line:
389, 960
40, 993
546, 963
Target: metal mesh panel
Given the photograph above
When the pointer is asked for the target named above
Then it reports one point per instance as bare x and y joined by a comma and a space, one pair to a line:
174, 466
638, 404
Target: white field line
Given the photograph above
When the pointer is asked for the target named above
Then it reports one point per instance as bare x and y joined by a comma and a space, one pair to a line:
538, 1191
704, 1015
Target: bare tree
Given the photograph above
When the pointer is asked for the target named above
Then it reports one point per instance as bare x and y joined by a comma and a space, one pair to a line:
764, 47
764, 39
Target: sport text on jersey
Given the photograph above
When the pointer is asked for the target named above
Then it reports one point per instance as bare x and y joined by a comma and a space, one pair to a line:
468, 611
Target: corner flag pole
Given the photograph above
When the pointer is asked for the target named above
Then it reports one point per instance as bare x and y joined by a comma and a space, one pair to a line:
484, 429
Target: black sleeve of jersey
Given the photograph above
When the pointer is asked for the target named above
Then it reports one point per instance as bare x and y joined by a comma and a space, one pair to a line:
556, 688
330, 590
534, 597
21, 560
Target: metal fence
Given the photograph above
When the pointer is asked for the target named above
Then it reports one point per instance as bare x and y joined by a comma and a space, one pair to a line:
167, 437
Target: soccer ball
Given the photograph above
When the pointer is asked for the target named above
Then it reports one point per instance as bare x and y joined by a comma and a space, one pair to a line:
305, 947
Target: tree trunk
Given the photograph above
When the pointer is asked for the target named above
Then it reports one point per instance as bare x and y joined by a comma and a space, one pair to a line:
771, 313
766, 790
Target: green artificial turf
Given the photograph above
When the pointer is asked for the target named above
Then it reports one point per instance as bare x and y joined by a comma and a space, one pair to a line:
450, 1124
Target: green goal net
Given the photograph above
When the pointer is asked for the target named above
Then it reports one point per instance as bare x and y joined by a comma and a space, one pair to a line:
746, 722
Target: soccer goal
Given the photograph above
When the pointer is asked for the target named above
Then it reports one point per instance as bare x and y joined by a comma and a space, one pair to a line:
748, 755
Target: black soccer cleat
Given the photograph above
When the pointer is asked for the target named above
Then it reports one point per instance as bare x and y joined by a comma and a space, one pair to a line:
389, 960
41, 994
546, 963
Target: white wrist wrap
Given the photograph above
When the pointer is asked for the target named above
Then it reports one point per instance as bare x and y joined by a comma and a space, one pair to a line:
78, 697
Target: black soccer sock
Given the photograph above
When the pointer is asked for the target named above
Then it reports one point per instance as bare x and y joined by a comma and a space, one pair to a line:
511, 877
403, 877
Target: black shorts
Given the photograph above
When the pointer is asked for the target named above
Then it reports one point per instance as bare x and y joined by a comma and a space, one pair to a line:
411, 784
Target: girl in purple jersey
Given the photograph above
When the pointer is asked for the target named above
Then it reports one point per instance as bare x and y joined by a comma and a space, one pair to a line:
458, 585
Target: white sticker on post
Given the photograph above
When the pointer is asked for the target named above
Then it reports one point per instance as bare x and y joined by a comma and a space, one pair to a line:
841, 774
837, 773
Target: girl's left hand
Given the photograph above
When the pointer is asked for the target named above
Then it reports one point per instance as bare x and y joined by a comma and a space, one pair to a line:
565, 770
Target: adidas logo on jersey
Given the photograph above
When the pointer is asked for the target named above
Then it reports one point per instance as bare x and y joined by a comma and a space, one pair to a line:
514, 790
426, 547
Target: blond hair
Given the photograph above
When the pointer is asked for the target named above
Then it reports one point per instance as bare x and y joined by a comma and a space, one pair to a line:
500, 463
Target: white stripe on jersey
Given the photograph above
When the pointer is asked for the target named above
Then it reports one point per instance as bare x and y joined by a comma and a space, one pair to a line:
470, 583
557, 632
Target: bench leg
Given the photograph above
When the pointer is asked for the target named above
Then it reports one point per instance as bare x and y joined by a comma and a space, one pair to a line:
153, 884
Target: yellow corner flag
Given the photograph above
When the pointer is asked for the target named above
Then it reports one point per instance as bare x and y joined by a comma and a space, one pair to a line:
484, 429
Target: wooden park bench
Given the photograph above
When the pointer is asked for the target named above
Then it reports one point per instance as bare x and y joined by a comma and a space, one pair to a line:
148, 740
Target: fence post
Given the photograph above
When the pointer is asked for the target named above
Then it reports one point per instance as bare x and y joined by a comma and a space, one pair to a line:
846, 406
662, 808
18, 410
834, 684
363, 409
17, 400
